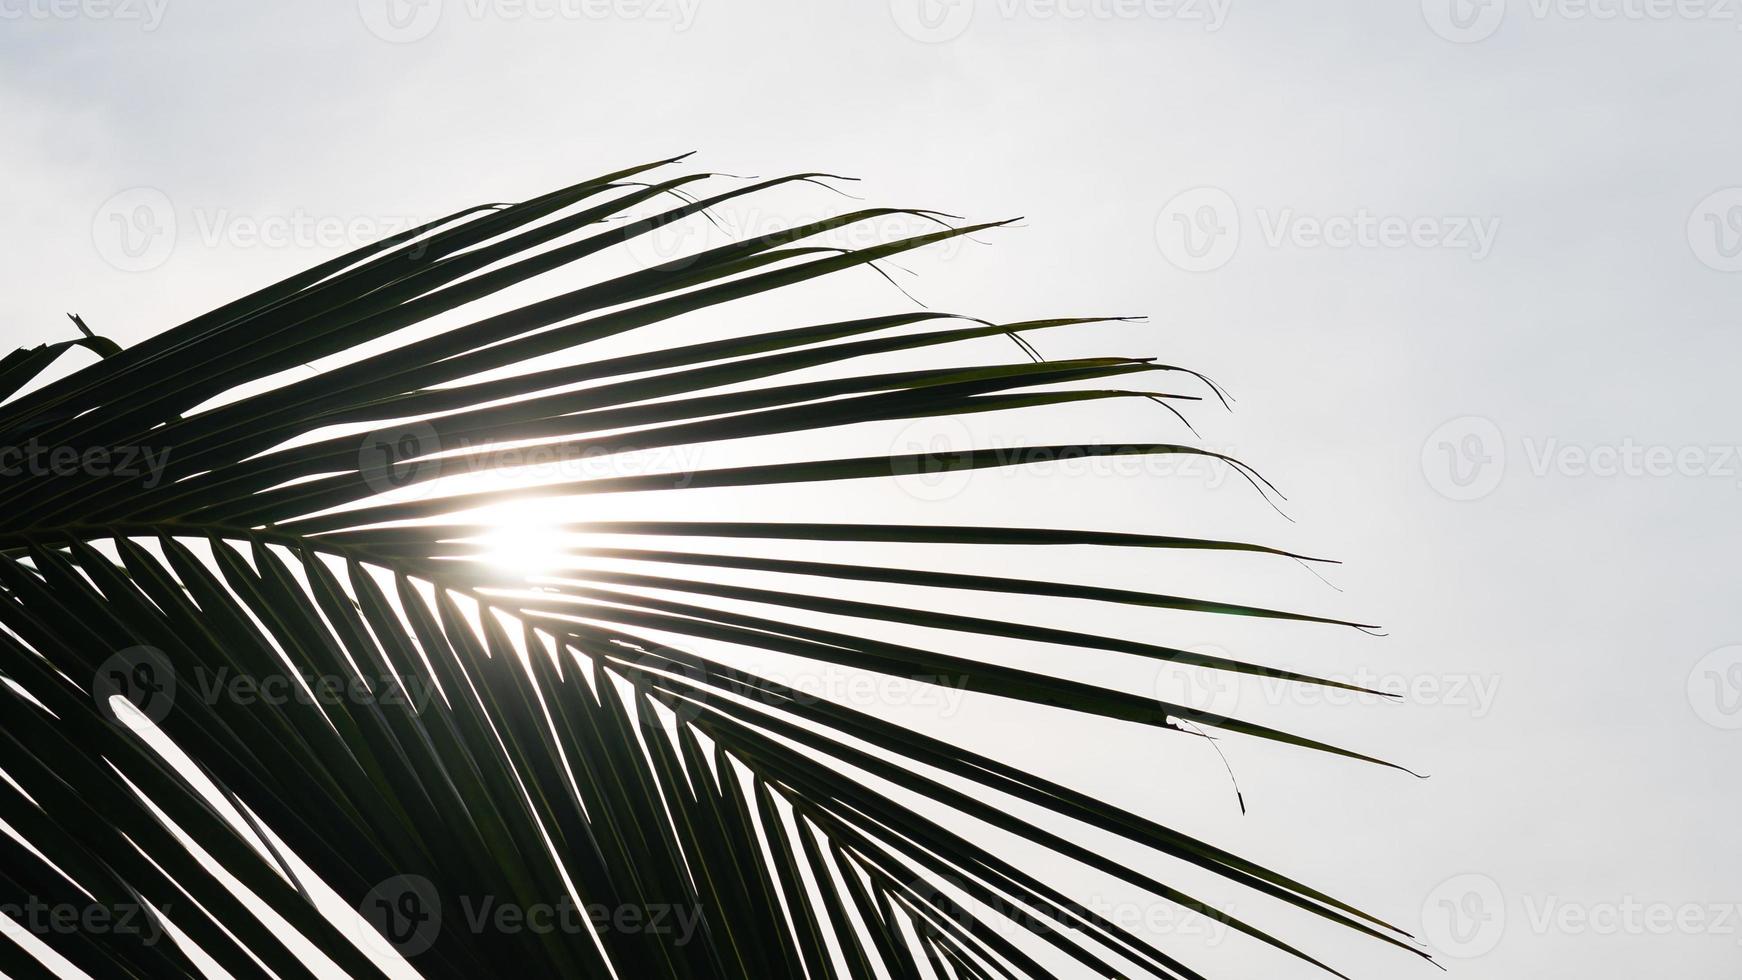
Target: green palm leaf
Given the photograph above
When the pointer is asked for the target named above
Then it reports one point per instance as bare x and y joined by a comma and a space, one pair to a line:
263, 673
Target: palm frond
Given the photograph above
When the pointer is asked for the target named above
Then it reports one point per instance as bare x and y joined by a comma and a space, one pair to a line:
258, 675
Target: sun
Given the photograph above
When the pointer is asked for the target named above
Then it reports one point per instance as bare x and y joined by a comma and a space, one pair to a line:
523, 543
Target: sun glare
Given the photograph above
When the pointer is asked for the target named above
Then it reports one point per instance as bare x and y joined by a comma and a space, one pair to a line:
523, 544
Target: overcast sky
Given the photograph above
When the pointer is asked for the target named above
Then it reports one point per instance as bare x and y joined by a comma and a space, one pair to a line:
1472, 269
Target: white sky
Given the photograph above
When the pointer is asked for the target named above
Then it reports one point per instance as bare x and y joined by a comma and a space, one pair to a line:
1565, 631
